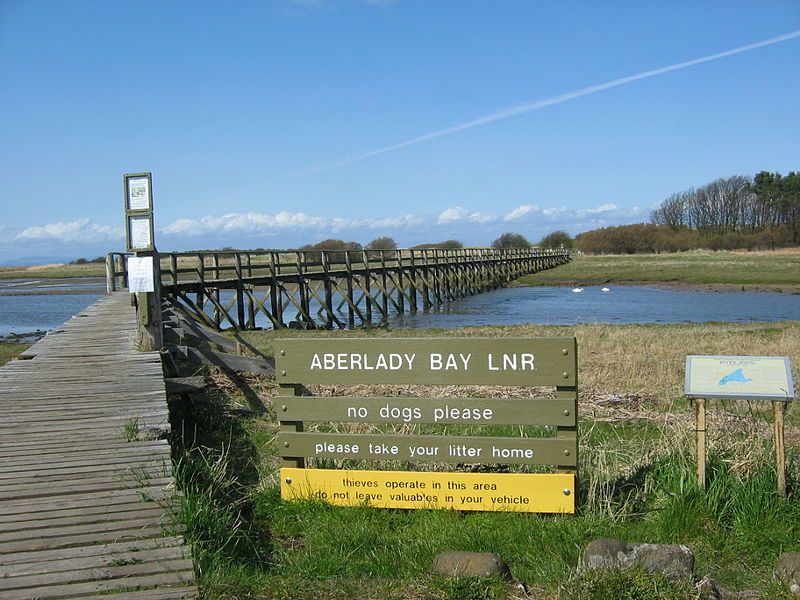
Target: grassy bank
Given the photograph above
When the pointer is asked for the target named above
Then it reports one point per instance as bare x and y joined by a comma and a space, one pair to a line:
779, 269
10, 350
53, 271
636, 482
768, 270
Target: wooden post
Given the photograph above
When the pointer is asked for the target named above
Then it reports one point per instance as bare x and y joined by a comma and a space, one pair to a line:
413, 282
328, 287
111, 279
401, 288
351, 318
778, 408
385, 289
290, 426
274, 292
148, 304
218, 315
201, 277
173, 267
305, 296
240, 325
368, 299
700, 440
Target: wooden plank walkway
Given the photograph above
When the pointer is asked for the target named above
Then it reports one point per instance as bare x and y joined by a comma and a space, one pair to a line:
84, 509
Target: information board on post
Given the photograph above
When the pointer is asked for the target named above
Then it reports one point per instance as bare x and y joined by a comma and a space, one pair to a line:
138, 195
740, 378
550, 362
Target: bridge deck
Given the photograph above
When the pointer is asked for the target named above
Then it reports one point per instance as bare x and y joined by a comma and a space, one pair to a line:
85, 485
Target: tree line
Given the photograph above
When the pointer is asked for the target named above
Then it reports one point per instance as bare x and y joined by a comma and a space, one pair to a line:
733, 213
736, 204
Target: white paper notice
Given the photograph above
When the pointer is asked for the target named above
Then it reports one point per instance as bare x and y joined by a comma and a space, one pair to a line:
140, 274
138, 194
140, 233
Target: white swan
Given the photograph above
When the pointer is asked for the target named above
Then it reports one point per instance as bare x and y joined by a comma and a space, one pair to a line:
576, 290
605, 290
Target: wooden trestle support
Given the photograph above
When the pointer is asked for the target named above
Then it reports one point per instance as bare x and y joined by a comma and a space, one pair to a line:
330, 288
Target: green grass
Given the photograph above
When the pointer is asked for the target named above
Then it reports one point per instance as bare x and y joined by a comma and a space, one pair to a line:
637, 483
10, 350
778, 269
130, 430
56, 271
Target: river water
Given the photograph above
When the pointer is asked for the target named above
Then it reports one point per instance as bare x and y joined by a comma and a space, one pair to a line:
40, 308
29, 305
621, 304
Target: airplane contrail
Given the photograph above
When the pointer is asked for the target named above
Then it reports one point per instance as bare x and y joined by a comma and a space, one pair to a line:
531, 106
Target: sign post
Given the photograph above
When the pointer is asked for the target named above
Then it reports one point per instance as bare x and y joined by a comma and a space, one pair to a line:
144, 276
743, 378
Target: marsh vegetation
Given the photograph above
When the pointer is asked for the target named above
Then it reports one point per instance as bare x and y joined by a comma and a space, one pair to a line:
637, 482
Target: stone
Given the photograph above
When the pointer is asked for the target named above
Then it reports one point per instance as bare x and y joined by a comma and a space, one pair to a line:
470, 564
787, 568
712, 590
604, 553
670, 560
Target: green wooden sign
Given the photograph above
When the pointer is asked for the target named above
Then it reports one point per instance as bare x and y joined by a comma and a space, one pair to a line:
496, 361
550, 362
445, 411
431, 448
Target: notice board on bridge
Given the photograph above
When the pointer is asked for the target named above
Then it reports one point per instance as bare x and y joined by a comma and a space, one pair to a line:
443, 467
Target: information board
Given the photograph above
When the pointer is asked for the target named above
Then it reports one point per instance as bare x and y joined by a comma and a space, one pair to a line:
138, 195
745, 377
140, 234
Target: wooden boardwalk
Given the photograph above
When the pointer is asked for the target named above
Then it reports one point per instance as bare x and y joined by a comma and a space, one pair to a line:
83, 506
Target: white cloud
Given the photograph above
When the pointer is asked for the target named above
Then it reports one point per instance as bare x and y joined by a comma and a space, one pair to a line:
82, 230
521, 211
603, 208
456, 213
389, 222
259, 223
250, 222
549, 212
474, 227
459, 213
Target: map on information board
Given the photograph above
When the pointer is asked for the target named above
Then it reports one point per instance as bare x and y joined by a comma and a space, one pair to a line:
746, 377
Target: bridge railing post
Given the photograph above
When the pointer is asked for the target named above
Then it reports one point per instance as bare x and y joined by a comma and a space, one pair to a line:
148, 305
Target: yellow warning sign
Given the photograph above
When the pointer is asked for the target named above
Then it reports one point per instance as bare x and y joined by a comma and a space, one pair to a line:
520, 492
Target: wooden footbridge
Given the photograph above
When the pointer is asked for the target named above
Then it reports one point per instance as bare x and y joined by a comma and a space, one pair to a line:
329, 288
85, 474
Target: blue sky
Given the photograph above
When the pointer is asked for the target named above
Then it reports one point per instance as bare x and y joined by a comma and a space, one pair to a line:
259, 120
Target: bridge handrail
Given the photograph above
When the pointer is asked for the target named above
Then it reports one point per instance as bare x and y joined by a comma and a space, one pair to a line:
217, 266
